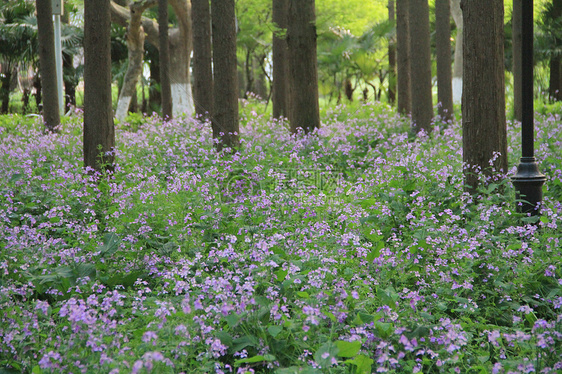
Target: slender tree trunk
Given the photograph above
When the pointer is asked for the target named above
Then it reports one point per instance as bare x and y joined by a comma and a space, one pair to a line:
483, 110
249, 71
403, 57
303, 71
69, 80
135, 47
46, 38
443, 46
516, 35
5, 79
456, 12
225, 119
391, 58
99, 131
555, 77
37, 86
180, 59
420, 66
280, 63
164, 59
154, 94
202, 57
555, 83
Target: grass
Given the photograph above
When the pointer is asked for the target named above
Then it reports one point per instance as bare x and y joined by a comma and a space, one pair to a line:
351, 251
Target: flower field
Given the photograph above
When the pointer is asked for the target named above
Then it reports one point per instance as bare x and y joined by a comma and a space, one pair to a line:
354, 250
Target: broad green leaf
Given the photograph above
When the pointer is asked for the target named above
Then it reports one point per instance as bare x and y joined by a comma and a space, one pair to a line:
348, 349
363, 364
274, 330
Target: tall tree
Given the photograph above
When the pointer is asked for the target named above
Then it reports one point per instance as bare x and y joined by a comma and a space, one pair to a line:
280, 95
443, 47
403, 57
516, 36
483, 110
225, 118
391, 57
99, 131
164, 59
202, 57
51, 114
553, 13
180, 43
420, 66
456, 12
135, 46
303, 70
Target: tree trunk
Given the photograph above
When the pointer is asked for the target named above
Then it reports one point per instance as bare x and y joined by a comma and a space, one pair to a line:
99, 131
280, 64
403, 57
5, 79
391, 58
260, 77
46, 43
249, 71
483, 110
180, 43
420, 67
164, 60
443, 46
225, 118
555, 83
202, 57
135, 47
154, 95
554, 88
303, 72
456, 12
516, 35
69, 80
37, 94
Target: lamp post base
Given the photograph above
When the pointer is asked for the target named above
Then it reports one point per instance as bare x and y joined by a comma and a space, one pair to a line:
528, 182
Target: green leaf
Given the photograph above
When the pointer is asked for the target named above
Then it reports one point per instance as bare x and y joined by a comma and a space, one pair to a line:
348, 349
363, 364
331, 350
232, 319
16, 177
281, 274
303, 294
259, 358
110, 244
274, 330
225, 338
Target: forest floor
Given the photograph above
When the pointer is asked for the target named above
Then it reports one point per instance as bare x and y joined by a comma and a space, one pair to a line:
352, 250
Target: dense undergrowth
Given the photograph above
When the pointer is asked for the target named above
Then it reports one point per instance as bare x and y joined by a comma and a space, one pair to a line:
353, 250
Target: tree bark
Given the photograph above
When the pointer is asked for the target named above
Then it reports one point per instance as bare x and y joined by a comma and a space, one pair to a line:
70, 81
483, 110
303, 72
164, 60
516, 35
280, 96
456, 12
181, 44
135, 47
225, 119
46, 43
555, 78
179, 41
202, 57
5, 79
391, 57
420, 66
443, 46
99, 131
403, 57
555, 83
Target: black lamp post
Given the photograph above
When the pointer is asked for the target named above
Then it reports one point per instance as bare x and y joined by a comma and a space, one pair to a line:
528, 180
